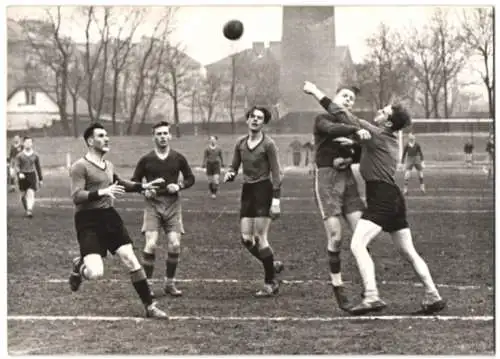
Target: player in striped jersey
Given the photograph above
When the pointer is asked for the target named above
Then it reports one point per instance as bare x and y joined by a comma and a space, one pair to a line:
99, 227
29, 172
413, 157
213, 163
257, 153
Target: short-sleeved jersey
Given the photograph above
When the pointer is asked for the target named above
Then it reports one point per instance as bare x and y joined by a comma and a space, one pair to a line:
260, 163
212, 155
87, 176
28, 163
151, 167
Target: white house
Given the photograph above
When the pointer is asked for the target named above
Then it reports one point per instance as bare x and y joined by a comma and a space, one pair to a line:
33, 107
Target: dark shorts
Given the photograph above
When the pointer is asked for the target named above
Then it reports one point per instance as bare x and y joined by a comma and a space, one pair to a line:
28, 182
256, 199
413, 162
213, 168
336, 192
99, 231
385, 206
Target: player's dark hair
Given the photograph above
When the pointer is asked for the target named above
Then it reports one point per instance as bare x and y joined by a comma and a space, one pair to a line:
355, 89
27, 138
214, 136
160, 124
400, 118
89, 131
265, 111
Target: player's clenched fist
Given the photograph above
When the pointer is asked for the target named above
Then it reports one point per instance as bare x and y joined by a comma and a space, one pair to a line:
363, 134
275, 208
309, 87
173, 188
150, 193
229, 176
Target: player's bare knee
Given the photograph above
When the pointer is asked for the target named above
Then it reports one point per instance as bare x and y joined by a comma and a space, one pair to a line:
247, 239
94, 266
174, 242
128, 257
151, 240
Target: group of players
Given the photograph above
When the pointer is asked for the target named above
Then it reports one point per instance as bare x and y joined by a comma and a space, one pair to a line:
341, 139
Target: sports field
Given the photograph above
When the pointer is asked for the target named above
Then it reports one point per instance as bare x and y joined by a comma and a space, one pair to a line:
452, 224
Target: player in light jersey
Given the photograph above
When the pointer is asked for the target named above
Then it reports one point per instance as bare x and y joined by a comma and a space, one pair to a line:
386, 211
413, 157
29, 172
99, 227
163, 206
213, 163
257, 153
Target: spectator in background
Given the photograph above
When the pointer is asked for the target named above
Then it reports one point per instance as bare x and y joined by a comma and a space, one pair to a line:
296, 148
468, 149
15, 148
490, 148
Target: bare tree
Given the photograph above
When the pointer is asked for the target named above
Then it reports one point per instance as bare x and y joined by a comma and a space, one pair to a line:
232, 92
209, 97
477, 33
121, 45
53, 51
76, 75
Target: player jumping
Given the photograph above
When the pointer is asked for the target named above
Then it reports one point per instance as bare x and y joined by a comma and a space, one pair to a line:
260, 195
99, 227
29, 172
213, 162
386, 211
163, 207
413, 157
335, 187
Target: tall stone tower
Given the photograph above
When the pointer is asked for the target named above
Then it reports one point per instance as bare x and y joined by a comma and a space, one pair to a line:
307, 53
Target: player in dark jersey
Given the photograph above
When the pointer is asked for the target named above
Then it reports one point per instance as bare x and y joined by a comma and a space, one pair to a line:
386, 211
336, 190
413, 157
468, 149
15, 148
163, 206
257, 153
29, 172
490, 149
99, 227
213, 163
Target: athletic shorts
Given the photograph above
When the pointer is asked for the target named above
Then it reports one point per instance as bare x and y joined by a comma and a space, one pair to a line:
336, 192
28, 182
100, 230
413, 162
256, 199
163, 213
385, 206
213, 168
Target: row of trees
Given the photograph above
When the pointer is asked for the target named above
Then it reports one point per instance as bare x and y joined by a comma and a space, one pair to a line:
117, 74
421, 65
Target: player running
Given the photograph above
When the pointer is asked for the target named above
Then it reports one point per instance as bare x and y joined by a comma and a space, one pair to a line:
163, 206
99, 227
213, 163
257, 153
335, 187
29, 172
386, 211
413, 157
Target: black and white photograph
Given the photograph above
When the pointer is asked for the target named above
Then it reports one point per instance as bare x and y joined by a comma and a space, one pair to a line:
266, 179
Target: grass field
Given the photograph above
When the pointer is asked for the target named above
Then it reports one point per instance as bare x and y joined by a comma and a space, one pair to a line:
126, 151
452, 224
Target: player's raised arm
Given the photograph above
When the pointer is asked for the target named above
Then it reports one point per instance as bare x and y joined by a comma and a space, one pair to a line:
276, 174
187, 173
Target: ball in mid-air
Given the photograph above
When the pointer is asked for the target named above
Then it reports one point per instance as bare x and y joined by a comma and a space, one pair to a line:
233, 29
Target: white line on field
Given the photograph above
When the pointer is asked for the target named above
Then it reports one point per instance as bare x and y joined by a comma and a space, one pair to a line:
235, 211
254, 319
284, 281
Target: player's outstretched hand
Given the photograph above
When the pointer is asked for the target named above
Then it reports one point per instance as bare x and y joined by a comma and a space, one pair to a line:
150, 193
309, 87
363, 134
173, 188
40, 184
229, 176
154, 184
344, 141
275, 208
112, 191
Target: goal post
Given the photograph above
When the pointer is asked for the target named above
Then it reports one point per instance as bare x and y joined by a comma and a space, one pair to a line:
445, 127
